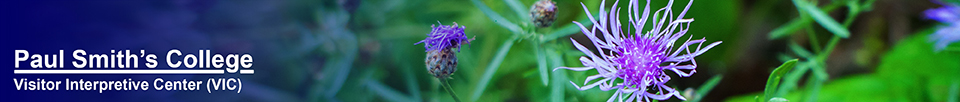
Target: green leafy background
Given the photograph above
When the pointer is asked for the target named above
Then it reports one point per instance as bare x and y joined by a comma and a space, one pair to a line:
363, 50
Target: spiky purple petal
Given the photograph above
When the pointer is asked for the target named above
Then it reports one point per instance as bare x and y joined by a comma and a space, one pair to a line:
949, 14
445, 37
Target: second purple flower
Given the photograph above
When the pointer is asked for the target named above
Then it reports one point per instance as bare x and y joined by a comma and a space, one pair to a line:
639, 58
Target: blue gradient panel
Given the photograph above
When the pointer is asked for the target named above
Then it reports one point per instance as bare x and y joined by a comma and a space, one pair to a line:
44, 27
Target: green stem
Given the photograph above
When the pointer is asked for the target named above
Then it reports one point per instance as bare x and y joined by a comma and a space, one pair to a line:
446, 86
819, 74
830, 45
812, 35
833, 41
813, 88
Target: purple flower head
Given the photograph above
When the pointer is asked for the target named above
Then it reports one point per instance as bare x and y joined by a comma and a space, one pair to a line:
445, 37
949, 14
638, 58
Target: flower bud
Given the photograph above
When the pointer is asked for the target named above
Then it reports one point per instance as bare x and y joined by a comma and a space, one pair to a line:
544, 12
441, 63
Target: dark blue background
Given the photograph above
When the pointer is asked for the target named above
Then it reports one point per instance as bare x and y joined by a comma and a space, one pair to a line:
43, 27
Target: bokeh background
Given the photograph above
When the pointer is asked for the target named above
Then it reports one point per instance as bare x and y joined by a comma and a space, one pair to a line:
363, 50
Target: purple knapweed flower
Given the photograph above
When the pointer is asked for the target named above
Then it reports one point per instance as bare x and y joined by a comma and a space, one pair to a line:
949, 14
441, 61
638, 58
445, 37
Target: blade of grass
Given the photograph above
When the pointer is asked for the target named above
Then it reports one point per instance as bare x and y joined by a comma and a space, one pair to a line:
774, 80
779, 99
706, 87
342, 70
822, 18
800, 51
784, 57
814, 41
519, 8
412, 84
789, 82
497, 18
815, 83
558, 79
867, 5
797, 23
790, 27
387, 93
954, 93
492, 67
567, 30
541, 63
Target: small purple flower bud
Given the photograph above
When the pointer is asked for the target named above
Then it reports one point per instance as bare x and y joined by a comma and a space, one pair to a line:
543, 12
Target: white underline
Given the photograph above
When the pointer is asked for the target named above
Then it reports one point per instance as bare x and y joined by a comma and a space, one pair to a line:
102, 71
246, 71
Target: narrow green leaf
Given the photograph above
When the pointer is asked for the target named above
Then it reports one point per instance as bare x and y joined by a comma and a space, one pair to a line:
567, 30
386, 92
497, 18
814, 83
954, 93
492, 67
798, 23
779, 99
541, 63
559, 78
706, 87
814, 40
784, 57
817, 77
867, 6
800, 51
522, 12
342, 70
789, 28
757, 99
774, 80
822, 18
556, 59
412, 84
789, 82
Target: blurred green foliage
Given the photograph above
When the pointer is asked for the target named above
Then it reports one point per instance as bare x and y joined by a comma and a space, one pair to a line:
364, 51
511, 61
911, 71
